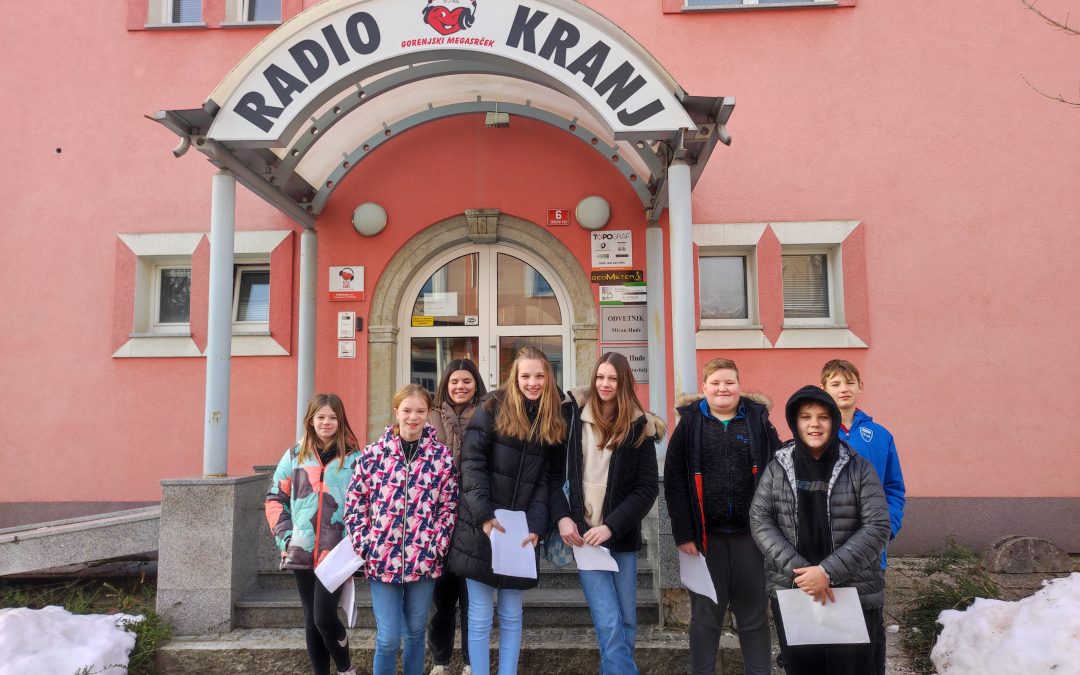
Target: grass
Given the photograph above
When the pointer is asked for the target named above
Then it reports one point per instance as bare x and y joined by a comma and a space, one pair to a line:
954, 580
127, 595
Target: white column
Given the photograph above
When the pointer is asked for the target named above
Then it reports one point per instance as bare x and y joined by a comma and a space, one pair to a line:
683, 297
657, 331
219, 325
305, 344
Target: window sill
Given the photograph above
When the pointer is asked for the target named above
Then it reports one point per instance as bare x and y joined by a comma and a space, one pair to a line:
732, 337
173, 26
142, 345
250, 24
817, 337
736, 8
257, 345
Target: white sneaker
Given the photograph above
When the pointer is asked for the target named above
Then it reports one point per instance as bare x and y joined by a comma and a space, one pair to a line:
350, 671
467, 670
440, 670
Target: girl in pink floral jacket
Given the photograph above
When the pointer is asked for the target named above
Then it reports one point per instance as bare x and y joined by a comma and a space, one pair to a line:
400, 511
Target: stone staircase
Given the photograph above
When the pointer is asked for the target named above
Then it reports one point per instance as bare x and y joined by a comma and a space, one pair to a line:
557, 602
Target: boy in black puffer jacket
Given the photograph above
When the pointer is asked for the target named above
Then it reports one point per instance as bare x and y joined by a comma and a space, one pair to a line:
715, 459
821, 520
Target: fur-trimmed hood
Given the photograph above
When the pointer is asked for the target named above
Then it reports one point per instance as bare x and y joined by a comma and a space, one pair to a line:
756, 396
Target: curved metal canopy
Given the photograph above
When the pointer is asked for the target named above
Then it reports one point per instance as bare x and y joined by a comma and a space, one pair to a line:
294, 158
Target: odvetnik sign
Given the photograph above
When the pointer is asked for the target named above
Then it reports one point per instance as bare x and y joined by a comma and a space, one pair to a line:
283, 81
624, 324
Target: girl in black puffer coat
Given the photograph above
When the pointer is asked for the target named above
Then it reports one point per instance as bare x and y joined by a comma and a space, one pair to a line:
504, 465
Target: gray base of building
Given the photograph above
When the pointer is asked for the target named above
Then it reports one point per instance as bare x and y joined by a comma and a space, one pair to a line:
977, 522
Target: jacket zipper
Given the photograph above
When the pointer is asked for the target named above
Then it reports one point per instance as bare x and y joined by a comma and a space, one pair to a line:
318, 509
405, 510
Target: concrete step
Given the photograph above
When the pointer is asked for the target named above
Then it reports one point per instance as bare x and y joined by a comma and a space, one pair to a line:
74, 541
280, 608
550, 577
554, 651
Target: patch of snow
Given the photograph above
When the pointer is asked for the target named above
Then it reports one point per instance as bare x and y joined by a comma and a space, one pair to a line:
1039, 634
53, 640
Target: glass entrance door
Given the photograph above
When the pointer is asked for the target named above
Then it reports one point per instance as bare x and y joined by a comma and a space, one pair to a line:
483, 303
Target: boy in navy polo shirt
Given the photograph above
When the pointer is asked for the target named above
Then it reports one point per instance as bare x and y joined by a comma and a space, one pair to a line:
715, 459
874, 442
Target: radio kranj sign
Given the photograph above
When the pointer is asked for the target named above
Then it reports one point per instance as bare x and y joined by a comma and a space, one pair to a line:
304, 64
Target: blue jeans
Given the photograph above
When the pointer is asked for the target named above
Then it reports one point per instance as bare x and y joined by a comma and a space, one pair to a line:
394, 605
612, 598
481, 611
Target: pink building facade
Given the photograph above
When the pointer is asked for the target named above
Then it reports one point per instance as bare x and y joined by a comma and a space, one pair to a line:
894, 193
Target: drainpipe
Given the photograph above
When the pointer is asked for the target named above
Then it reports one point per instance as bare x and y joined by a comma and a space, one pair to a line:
305, 344
683, 297
654, 297
219, 325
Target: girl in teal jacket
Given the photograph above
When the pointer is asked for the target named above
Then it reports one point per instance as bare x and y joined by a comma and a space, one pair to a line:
304, 507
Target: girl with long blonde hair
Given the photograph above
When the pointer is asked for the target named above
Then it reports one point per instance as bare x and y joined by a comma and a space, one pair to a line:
504, 465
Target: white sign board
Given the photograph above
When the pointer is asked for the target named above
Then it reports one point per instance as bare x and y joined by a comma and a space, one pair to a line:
612, 248
623, 295
440, 304
638, 356
307, 61
624, 324
346, 283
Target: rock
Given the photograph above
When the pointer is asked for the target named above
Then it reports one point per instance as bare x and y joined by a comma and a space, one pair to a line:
1020, 554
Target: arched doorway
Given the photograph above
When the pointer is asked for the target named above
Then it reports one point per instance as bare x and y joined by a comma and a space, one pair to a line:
483, 302
529, 307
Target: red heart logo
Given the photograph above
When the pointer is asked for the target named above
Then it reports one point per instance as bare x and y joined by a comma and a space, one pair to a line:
445, 21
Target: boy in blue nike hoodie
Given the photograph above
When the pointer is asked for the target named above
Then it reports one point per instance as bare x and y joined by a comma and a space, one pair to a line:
869, 439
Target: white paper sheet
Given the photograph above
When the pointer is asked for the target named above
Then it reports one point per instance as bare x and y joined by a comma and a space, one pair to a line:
594, 558
694, 574
338, 565
347, 602
508, 556
807, 622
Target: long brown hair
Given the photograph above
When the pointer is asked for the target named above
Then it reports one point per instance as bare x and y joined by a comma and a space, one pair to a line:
512, 420
615, 430
345, 439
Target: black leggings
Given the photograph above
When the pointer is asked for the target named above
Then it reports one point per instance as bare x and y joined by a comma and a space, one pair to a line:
323, 630
450, 594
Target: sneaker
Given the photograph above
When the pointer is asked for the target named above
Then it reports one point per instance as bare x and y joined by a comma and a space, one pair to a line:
467, 670
350, 671
440, 670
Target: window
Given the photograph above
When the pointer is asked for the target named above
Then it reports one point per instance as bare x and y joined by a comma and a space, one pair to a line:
815, 258
251, 299
169, 274
171, 309
728, 286
185, 11
723, 285
262, 10
807, 287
